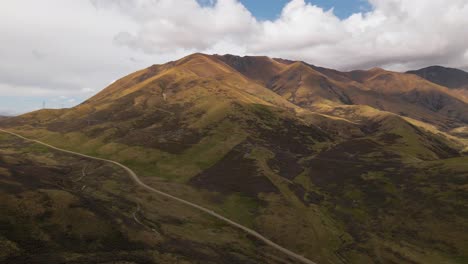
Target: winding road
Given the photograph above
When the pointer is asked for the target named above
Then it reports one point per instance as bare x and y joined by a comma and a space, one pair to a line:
201, 208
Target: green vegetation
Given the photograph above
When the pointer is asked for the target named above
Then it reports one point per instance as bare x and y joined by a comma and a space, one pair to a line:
299, 153
54, 215
241, 208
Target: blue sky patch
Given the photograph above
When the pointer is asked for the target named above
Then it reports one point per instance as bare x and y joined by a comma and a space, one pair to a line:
271, 9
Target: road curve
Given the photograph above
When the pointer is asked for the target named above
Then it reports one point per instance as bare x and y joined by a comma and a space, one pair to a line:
203, 209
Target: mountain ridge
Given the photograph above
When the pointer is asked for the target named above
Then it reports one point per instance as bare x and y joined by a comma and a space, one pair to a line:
445, 76
325, 163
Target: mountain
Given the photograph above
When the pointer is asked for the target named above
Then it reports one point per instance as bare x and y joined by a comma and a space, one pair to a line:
448, 77
317, 88
341, 167
455, 79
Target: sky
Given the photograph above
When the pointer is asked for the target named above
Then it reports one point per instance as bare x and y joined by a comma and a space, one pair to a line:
271, 9
61, 52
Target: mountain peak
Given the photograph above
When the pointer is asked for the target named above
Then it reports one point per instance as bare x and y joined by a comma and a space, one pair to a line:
257, 68
449, 77
377, 69
192, 57
263, 80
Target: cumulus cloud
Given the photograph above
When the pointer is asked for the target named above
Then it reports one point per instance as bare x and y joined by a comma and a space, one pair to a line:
299, 27
396, 33
77, 47
166, 25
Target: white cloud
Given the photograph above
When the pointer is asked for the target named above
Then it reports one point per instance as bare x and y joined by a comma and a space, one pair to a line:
24, 90
300, 26
88, 90
71, 47
396, 33
168, 26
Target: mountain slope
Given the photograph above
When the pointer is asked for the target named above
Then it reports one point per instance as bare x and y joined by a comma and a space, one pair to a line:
60, 208
448, 77
313, 87
389, 91
455, 79
320, 161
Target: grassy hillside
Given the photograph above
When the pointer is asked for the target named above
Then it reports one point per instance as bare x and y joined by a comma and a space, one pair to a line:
306, 156
62, 209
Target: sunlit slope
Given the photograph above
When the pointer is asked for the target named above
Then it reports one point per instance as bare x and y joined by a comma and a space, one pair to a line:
403, 94
323, 162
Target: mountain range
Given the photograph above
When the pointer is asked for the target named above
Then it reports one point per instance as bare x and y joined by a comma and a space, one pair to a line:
341, 167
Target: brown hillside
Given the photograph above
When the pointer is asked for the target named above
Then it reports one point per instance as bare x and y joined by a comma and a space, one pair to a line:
340, 167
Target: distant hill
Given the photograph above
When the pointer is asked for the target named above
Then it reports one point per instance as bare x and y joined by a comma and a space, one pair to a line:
341, 167
448, 77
